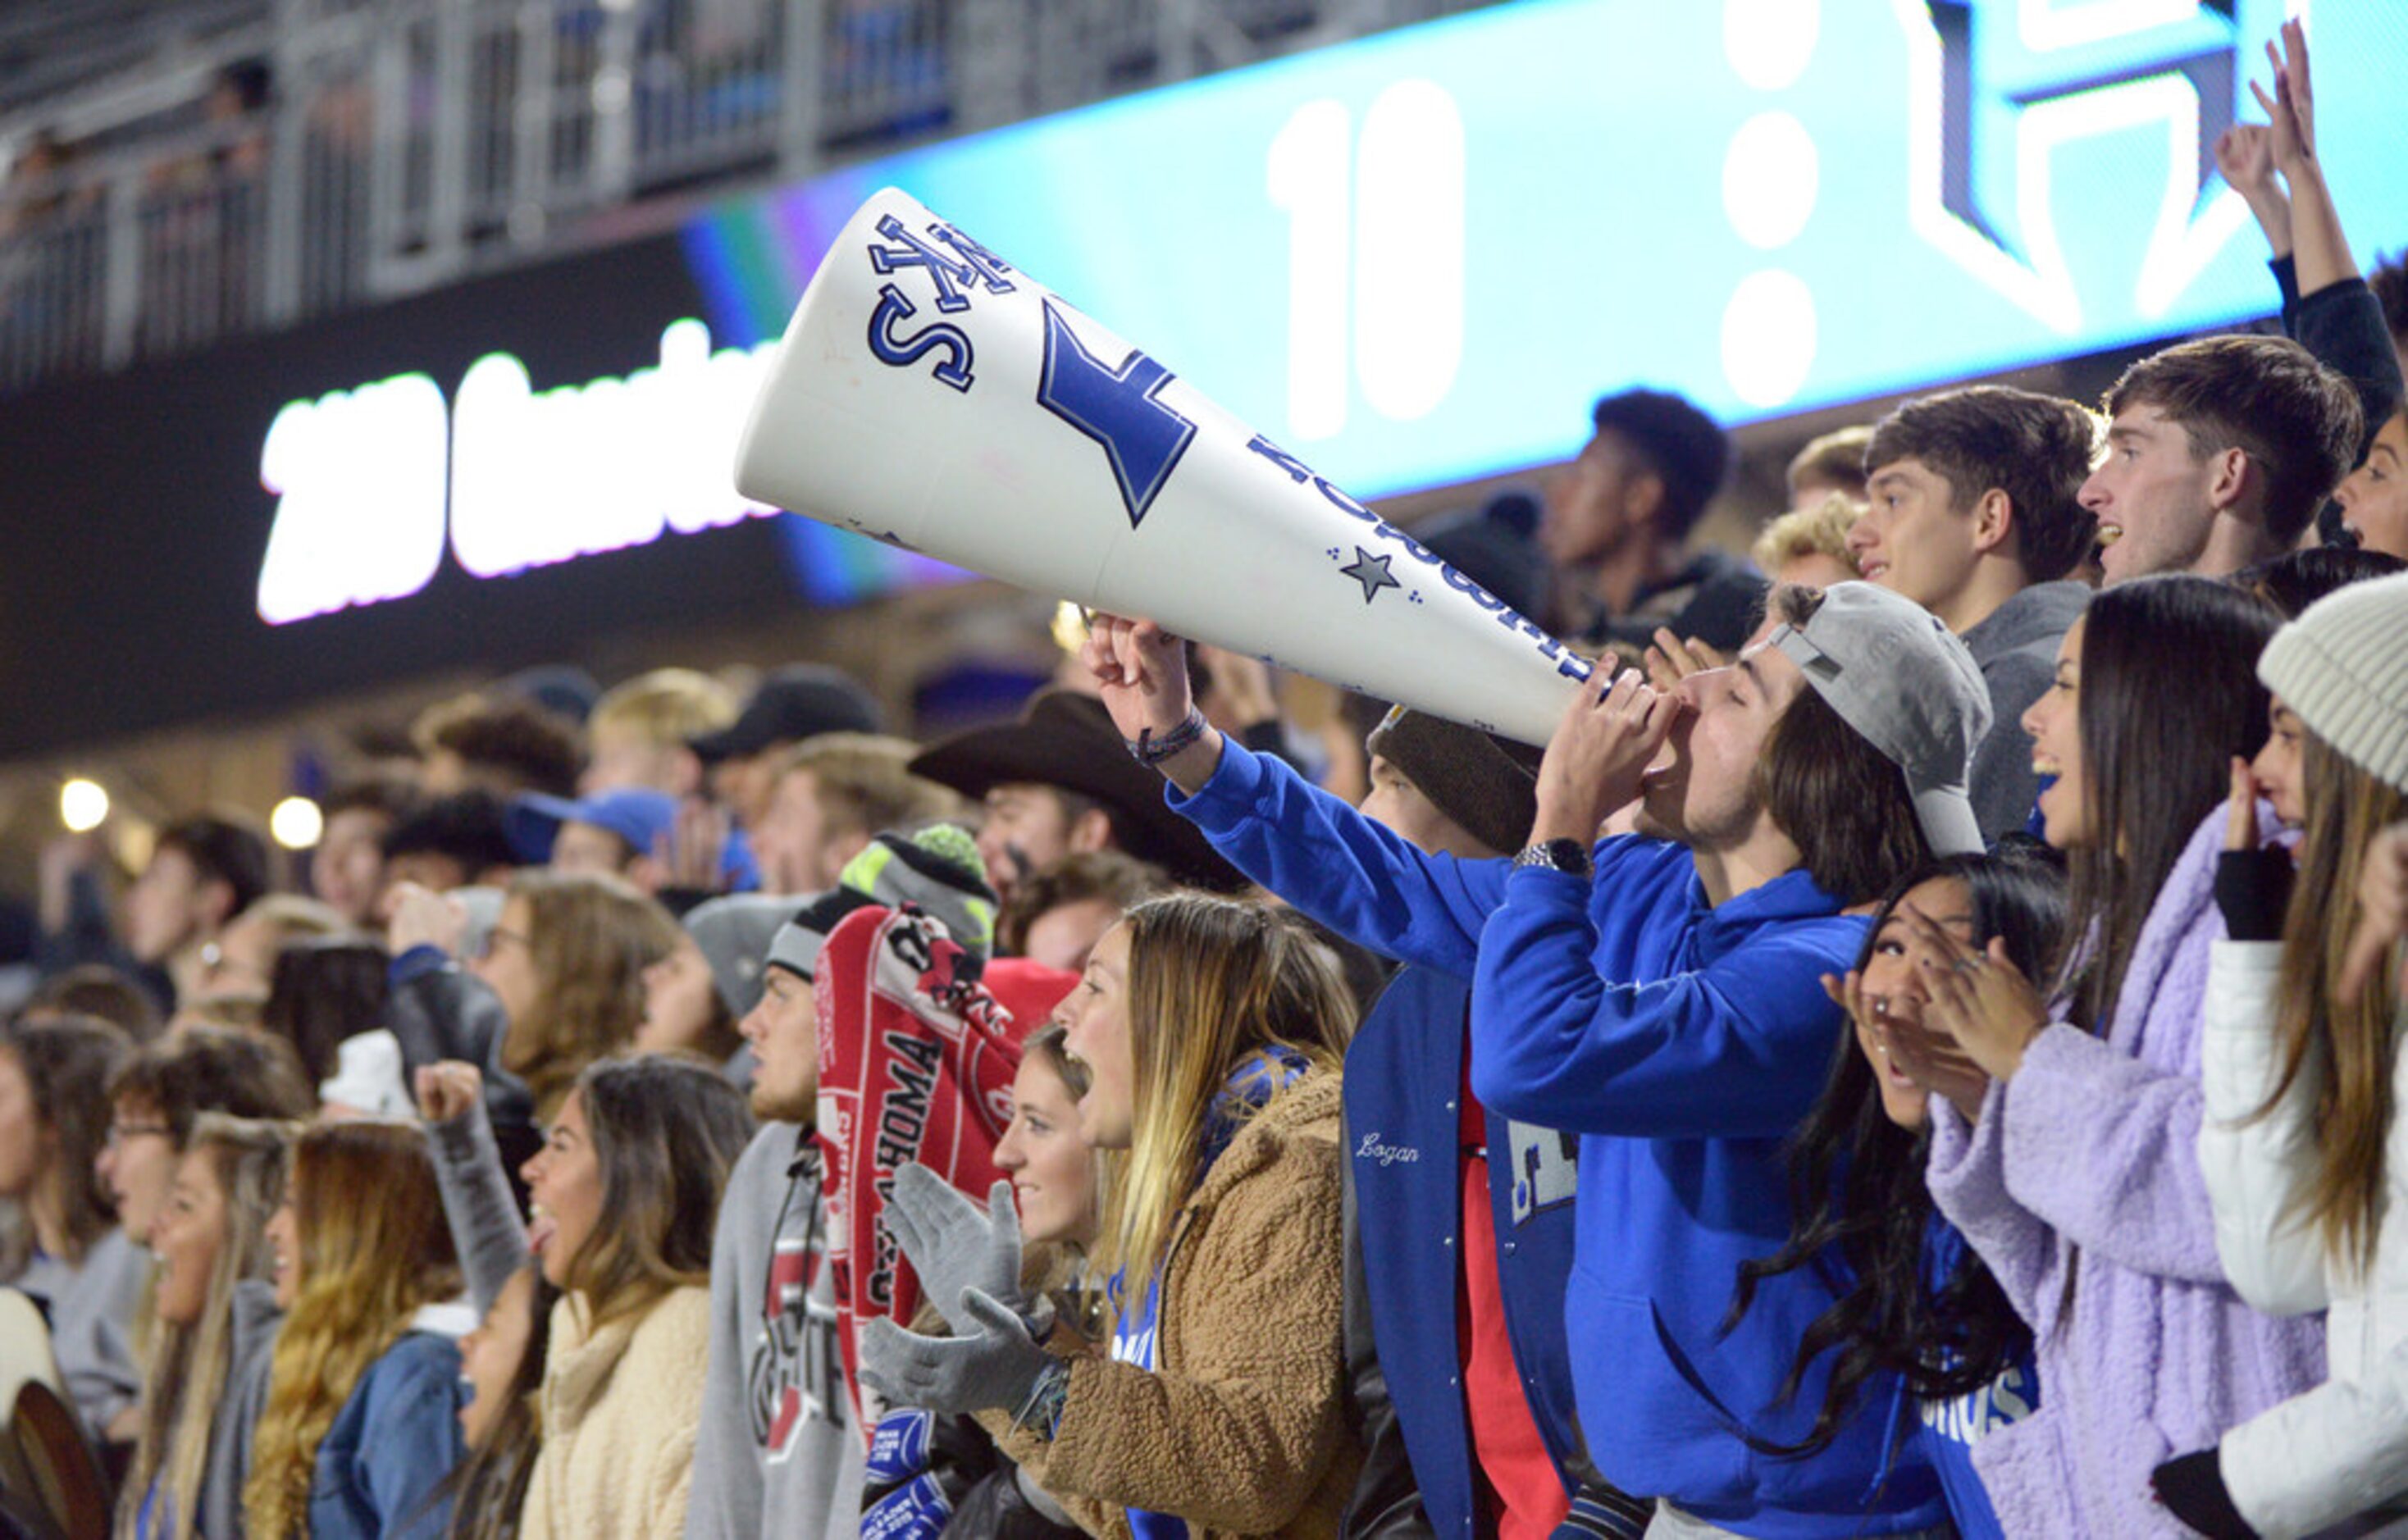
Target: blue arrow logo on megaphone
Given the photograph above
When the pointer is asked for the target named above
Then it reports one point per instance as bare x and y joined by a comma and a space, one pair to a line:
1117, 408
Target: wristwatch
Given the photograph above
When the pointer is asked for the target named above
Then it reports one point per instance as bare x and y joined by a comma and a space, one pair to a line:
1557, 855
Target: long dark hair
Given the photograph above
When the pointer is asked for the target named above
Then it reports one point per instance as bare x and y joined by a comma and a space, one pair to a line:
1855, 1182
2169, 695
2345, 1052
487, 1489
323, 992
66, 1061
667, 1128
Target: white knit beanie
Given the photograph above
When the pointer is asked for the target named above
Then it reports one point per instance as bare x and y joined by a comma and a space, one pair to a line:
2342, 667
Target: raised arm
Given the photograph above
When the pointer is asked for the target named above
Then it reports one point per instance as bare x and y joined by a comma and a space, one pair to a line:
2318, 248
2244, 157
487, 1229
2337, 318
1319, 854
1735, 1048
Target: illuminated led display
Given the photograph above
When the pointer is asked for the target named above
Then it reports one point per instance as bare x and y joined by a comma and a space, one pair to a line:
1416, 258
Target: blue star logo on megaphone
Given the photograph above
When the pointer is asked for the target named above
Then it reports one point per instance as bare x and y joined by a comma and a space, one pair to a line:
1371, 572
1119, 408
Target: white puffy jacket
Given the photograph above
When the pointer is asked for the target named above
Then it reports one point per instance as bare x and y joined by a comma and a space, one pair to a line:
2341, 1447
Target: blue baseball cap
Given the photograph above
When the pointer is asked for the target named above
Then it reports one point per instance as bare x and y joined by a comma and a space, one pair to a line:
637, 814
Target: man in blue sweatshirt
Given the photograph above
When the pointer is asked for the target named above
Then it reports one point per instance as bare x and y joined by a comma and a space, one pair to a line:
1659, 996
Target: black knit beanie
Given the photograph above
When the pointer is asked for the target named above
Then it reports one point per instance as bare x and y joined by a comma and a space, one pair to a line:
1488, 785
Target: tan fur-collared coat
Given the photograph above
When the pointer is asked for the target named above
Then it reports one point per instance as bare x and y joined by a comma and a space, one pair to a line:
1242, 1431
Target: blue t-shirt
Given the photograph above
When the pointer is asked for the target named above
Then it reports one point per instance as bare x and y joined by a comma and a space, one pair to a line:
1949, 1430
1946, 1431
155, 1520
1134, 1342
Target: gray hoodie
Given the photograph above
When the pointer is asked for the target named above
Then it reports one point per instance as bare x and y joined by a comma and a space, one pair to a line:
777, 1453
2015, 647
92, 1306
219, 1511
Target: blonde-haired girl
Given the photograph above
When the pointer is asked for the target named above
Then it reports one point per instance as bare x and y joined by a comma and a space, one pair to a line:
362, 1421
1210, 1031
215, 1318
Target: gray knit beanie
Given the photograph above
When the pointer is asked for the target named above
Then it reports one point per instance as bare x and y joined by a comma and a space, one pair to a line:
1485, 784
2343, 666
733, 933
937, 869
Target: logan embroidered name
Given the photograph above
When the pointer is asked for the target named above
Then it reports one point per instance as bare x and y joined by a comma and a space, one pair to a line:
1372, 1150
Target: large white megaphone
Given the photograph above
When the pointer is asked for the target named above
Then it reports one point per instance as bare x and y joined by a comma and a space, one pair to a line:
931, 396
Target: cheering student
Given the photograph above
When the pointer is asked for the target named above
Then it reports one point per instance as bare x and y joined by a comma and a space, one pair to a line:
1970, 513
626, 1189
2078, 1179
214, 1330
502, 1365
68, 1252
567, 961
683, 1009
361, 1423
779, 1448
1918, 1301
1617, 527
502, 1361
559, 983
1657, 996
2300, 1072
159, 1091
930, 1474
1211, 1030
2331, 311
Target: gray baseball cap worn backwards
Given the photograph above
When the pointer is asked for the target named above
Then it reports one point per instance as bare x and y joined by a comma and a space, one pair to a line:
1895, 673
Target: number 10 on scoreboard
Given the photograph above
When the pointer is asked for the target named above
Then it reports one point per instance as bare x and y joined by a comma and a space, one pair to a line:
1375, 248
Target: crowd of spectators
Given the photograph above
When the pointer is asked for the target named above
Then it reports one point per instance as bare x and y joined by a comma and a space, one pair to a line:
1914, 1054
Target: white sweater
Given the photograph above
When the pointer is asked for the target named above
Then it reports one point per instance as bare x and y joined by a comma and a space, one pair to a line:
2341, 1447
620, 1407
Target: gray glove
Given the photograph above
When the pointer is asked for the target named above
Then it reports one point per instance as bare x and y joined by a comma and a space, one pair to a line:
994, 1364
952, 1246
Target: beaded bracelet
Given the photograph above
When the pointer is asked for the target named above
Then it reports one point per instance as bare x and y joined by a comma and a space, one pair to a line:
1041, 1413
1149, 750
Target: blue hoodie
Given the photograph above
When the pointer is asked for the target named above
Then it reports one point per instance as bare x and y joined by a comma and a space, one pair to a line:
1681, 1042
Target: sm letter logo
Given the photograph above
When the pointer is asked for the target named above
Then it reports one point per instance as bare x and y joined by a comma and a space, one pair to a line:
1998, 88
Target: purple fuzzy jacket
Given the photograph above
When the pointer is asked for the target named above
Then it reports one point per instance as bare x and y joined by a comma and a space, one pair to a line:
2086, 1168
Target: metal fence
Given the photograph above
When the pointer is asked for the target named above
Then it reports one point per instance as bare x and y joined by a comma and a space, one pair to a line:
408, 142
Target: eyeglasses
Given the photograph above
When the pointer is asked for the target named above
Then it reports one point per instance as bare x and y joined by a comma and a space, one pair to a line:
119, 1133
497, 935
